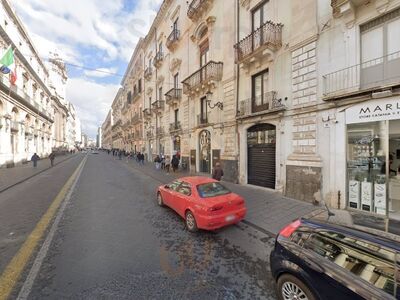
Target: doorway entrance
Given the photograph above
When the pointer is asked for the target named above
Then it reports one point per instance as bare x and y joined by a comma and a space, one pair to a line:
205, 151
261, 155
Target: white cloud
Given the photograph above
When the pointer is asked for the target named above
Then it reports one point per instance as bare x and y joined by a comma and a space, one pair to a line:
72, 28
91, 100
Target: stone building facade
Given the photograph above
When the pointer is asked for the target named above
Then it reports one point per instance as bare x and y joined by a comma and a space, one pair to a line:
279, 91
33, 111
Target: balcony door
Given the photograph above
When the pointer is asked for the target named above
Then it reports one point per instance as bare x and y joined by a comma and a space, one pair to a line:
260, 100
176, 82
204, 57
380, 51
258, 19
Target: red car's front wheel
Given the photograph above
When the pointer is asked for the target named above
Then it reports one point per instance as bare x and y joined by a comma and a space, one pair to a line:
160, 201
191, 222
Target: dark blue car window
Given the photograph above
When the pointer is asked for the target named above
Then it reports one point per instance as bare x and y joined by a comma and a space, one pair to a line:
368, 261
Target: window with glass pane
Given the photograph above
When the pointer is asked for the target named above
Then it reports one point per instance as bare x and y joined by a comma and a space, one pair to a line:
260, 99
366, 166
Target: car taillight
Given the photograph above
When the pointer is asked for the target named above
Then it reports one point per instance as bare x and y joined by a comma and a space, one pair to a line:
215, 208
289, 229
240, 202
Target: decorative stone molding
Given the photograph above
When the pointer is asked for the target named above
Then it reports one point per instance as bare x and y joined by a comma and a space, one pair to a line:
149, 90
211, 20
175, 64
382, 6
245, 4
175, 14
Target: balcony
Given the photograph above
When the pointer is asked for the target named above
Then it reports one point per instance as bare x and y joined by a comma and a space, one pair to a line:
202, 78
197, 8
158, 59
202, 120
147, 113
173, 96
260, 105
14, 126
148, 73
158, 106
136, 119
261, 43
379, 73
172, 40
175, 127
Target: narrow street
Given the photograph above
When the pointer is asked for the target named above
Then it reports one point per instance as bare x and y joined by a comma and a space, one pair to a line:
115, 242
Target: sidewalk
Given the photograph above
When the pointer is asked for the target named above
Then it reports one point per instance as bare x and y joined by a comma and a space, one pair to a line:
268, 211
12, 176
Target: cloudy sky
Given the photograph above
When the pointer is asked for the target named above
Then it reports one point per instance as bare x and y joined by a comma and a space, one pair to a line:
96, 34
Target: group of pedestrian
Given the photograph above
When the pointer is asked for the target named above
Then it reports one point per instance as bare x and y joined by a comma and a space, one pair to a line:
35, 158
164, 162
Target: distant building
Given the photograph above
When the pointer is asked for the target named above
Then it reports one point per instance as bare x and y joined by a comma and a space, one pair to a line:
99, 143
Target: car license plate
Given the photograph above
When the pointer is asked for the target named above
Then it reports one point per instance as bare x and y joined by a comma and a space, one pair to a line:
230, 218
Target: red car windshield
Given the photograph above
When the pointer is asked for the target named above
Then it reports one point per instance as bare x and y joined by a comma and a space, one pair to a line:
212, 189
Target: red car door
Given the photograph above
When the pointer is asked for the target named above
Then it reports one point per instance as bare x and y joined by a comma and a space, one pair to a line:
170, 193
182, 199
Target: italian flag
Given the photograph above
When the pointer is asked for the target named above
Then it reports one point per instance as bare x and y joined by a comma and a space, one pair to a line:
8, 66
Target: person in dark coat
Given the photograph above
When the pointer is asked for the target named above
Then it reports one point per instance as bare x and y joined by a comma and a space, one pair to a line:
34, 159
175, 163
217, 172
52, 156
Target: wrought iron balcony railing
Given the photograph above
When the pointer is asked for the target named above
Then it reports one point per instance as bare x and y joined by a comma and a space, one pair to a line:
158, 105
173, 96
262, 104
269, 35
172, 39
202, 120
376, 73
174, 127
212, 71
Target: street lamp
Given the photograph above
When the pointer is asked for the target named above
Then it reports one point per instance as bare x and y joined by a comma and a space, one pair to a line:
219, 104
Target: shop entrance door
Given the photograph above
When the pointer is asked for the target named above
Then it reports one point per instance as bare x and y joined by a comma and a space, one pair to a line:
261, 141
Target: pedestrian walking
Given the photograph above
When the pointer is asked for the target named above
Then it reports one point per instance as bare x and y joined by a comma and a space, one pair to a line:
142, 159
34, 159
162, 162
218, 172
175, 163
52, 156
120, 155
157, 161
167, 163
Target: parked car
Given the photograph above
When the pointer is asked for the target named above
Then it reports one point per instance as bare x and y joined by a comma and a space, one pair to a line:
335, 259
203, 202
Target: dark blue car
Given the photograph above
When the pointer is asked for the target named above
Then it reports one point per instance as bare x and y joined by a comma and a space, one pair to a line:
319, 259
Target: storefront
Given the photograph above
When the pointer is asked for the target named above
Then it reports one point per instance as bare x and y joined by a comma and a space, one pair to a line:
373, 156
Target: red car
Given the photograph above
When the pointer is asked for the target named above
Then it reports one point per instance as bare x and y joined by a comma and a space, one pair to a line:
203, 202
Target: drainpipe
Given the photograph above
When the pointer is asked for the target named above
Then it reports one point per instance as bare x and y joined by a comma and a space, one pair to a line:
237, 90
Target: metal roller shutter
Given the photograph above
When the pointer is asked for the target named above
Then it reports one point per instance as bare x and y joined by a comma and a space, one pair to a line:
261, 165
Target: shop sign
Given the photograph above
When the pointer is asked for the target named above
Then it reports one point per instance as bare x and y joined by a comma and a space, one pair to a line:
375, 110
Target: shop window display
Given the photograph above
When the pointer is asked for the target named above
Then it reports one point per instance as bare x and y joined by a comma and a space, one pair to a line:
366, 165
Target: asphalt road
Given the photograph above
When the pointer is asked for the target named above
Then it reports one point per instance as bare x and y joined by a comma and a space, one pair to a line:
114, 242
